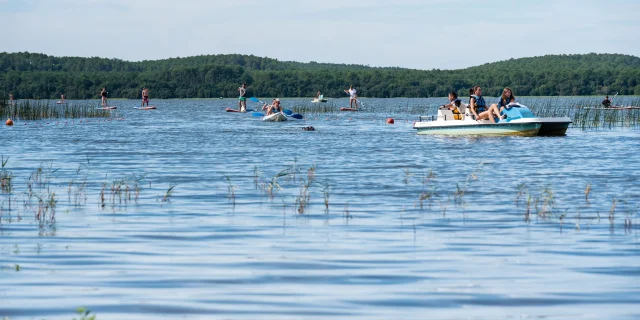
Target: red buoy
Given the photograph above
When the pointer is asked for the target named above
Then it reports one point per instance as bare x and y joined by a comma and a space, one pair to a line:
9, 122
390, 121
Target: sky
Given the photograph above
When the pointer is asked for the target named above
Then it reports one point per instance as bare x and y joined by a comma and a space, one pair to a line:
426, 34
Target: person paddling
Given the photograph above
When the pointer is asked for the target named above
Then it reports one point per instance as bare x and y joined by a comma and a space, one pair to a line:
274, 107
606, 102
10, 99
353, 97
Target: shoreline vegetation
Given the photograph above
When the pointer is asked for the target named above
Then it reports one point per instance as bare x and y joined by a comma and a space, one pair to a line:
39, 76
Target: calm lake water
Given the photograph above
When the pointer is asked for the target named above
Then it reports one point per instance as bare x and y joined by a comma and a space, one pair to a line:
416, 226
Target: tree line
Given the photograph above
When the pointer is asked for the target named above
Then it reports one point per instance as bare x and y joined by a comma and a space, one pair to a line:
39, 76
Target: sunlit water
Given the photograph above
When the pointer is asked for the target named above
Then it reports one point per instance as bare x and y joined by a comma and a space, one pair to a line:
219, 246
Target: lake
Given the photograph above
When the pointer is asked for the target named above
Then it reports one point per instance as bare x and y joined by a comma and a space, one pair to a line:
190, 212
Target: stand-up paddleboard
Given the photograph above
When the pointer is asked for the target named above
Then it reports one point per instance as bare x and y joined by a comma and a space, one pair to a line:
236, 110
348, 109
617, 108
108, 108
148, 108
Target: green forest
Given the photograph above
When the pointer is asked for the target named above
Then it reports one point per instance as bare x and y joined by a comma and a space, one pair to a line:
38, 76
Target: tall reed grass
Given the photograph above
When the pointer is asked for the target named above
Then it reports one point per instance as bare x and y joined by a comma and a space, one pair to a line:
589, 114
40, 110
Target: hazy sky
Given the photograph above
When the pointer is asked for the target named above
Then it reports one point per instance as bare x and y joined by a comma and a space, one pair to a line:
406, 33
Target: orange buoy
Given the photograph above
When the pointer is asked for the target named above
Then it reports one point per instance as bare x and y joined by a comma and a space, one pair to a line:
390, 121
9, 122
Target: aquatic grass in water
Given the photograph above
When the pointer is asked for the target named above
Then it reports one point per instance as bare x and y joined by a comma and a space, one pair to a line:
588, 113
40, 110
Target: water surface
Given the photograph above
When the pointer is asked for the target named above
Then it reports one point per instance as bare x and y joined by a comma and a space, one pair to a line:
416, 226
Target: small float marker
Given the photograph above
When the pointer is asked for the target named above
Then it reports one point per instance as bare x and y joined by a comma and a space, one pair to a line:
9, 122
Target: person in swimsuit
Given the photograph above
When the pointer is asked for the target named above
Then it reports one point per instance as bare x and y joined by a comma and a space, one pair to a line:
62, 98
103, 94
479, 107
11, 99
318, 95
353, 97
145, 96
275, 107
242, 100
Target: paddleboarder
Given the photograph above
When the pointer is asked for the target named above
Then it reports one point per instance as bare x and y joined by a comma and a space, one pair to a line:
10, 99
145, 96
353, 97
103, 94
606, 102
242, 100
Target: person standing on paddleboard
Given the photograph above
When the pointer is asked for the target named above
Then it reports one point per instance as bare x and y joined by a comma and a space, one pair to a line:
353, 97
10, 99
104, 93
145, 96
242, 100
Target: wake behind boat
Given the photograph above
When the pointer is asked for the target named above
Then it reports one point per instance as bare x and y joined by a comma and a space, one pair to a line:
520, 121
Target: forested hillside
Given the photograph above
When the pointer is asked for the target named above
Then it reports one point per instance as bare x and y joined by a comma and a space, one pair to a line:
29, 75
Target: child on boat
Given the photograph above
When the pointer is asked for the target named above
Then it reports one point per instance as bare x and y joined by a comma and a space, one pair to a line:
506, 98
479, 107
455, 105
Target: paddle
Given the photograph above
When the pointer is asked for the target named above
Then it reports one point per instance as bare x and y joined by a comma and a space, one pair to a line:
613, 98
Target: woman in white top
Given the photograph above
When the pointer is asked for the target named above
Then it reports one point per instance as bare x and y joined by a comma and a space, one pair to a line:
353, 97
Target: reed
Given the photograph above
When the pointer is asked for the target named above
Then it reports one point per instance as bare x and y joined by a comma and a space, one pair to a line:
40, 110
6, 177
84, 314
587, 190
316, 109
168, 193
589, 114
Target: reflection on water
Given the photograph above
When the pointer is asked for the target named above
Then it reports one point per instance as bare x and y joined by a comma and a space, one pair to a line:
355, 219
